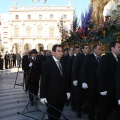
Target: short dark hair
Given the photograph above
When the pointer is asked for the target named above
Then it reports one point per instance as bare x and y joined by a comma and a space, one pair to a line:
70, 48
76, 47
113, 44
55, 46
95, 46
66, 49
82, 47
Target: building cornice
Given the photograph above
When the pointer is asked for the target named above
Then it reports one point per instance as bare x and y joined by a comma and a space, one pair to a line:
42, 9
43, 20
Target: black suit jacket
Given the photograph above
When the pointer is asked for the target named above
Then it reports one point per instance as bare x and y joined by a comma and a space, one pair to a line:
117, 81
34, 72
69, 66
88, 71
106, 74
64, 58
25, 62
77, 65
53, 85
69, 69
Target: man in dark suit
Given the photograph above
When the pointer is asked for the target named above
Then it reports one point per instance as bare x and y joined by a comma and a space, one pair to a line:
34, 75
53, 88
66, 56
89, 78
117, 86
7, 58
69, 74
14, 60
76, 77
106, 81
1, 62
25, 62
43, 57
48, 54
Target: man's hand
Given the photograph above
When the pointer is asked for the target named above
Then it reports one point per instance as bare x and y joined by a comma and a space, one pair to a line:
43, 100
75, 82
84, 85
68, 96
30, 65
103, 93
118, 102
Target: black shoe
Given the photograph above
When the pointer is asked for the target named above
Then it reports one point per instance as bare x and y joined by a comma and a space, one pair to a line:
78, 114
31, 103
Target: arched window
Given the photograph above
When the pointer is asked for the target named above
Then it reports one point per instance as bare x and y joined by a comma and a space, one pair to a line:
28, 31
51, 32
16, 31
39, 31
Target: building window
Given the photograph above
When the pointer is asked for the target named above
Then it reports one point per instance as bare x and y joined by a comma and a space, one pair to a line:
5, 29
51, 16
16, 31
64, 16
28, 31
29, 17
39, 33
5, 34
51, 32
40, 16
16, 17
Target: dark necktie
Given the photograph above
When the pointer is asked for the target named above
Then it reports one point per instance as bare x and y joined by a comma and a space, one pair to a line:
98, 59
59, 66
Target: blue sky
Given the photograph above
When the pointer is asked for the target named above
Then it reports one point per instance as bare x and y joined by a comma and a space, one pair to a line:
80, 5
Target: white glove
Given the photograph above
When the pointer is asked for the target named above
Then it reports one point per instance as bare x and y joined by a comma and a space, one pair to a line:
75, 82
84, 85
103, 93
118, 102
43, 100
30, 65
68, 96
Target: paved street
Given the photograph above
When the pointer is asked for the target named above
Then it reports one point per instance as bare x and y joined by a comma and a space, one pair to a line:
14, 100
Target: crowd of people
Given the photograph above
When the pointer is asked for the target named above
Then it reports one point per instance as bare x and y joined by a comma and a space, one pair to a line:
9, 60
85, 80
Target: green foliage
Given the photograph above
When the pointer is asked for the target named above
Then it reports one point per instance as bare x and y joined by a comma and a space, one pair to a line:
102, 32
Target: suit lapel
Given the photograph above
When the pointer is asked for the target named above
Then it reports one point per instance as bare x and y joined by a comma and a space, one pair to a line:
95, 59
56, 67
113, 58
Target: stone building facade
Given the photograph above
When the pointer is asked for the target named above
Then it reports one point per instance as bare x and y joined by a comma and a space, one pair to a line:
26, 28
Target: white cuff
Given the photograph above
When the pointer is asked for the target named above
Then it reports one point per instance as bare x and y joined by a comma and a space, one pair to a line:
103, 93
75, 82
84, 85
30, 65
118, 102
43, 100
68, 96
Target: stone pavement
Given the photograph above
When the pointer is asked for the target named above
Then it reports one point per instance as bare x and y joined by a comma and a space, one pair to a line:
14, 100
